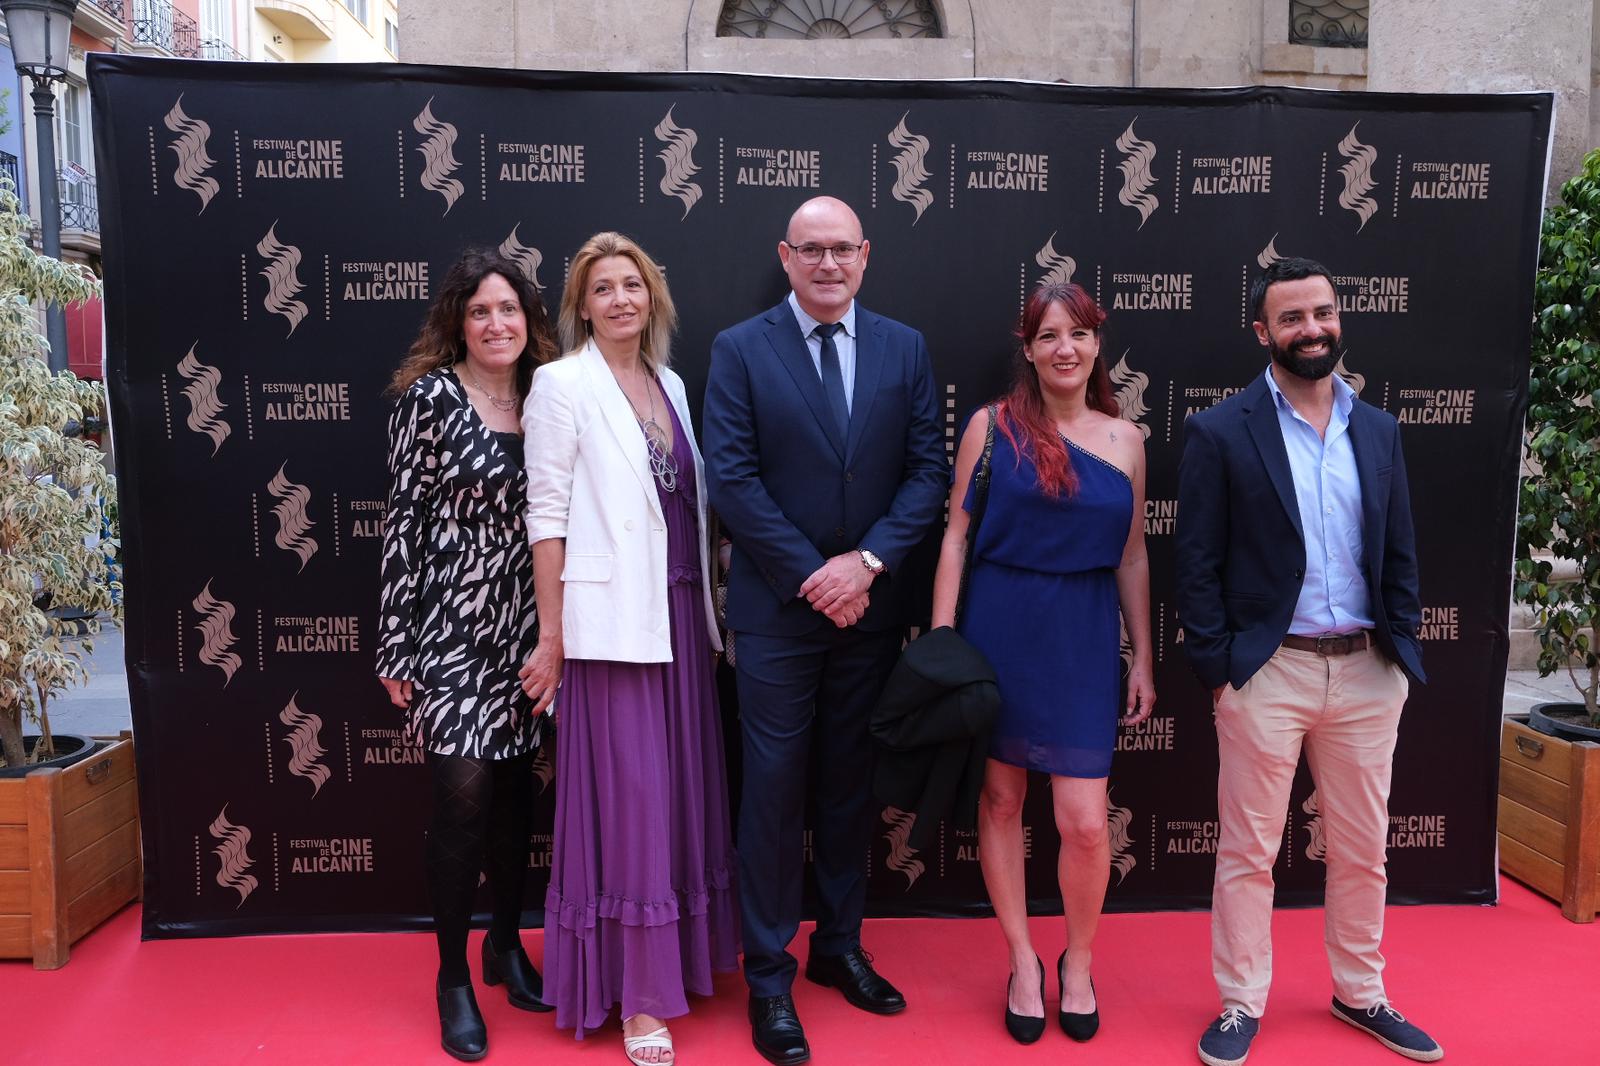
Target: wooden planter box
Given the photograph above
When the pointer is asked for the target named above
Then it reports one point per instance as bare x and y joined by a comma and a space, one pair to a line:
1550, 817
69, 853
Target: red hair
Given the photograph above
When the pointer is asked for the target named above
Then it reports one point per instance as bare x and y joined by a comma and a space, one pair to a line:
1022, 415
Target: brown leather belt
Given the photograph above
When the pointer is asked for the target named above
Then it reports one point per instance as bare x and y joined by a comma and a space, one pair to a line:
1344, 644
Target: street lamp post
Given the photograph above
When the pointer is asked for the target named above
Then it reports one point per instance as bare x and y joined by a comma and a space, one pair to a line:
40, 33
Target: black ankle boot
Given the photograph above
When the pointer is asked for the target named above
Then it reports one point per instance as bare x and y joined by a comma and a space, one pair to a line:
461, 1031
524, 988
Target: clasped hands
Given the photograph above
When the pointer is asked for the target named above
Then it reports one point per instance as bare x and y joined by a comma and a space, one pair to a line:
838, 589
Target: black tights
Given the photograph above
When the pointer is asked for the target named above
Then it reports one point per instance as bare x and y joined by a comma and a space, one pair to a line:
482, 816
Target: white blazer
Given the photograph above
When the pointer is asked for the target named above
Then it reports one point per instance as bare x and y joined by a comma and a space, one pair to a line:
589, 482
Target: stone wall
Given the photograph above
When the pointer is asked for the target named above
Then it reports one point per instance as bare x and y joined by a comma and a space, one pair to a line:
1415, 46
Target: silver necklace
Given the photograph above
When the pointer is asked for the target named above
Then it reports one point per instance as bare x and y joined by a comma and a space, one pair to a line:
502, 405
663, 467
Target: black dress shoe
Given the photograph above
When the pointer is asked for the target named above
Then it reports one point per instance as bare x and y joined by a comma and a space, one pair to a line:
852, 974
775, 1030
524, 988
1078, 1026
461, 1031
1025, 1028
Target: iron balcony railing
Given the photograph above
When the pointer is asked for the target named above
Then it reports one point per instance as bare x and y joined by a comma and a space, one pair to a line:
114, 8
159, 23
210, 48
9, 167
80, 201
1328, 23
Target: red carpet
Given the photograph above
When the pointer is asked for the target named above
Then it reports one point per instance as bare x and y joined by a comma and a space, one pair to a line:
1472, 976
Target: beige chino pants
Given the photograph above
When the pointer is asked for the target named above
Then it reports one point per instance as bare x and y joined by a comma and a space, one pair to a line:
1344, 710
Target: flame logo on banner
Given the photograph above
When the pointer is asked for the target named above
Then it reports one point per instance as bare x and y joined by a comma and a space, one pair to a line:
1130, 386
544, 766
902, 856
1358, 179
290, 511
216, 633
1269, 254
234, 860
526, 258
1118, 820
1058, 268
438, 155
305, 745
1136, 176
678, 161
204, 405
283, 278
1351, 378
1316, 846
910, 168
190, 148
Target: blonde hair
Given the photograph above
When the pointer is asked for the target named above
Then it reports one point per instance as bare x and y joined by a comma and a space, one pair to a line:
656, 344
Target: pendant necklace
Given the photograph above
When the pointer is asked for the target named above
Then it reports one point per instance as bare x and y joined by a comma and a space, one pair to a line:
502, 405
663, 466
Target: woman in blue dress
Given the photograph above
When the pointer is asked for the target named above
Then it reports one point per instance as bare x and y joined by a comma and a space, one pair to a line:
1060, 551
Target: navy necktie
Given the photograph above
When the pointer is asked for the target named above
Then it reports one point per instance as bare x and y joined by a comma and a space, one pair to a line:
833, 377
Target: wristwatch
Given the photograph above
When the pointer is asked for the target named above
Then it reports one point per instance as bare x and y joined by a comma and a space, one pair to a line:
871, 561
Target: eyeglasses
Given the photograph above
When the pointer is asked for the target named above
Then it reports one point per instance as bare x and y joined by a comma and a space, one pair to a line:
811, 254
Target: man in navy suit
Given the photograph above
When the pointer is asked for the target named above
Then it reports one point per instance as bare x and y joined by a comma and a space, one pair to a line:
825, 461
1297, 591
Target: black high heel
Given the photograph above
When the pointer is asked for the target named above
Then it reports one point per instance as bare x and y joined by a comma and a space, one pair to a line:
461, 1031
524, 987
1078, 1026
1025, 1029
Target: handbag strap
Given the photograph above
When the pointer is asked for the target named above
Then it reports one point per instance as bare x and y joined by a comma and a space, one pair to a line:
980, 504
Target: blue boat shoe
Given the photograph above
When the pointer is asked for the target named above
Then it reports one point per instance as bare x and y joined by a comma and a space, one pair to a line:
1226, 1041
1390, 1028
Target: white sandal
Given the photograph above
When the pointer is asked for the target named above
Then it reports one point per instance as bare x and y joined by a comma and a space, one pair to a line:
656, 1038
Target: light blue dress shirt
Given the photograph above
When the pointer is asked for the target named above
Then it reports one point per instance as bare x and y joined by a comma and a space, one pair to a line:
844, 342
1327, 487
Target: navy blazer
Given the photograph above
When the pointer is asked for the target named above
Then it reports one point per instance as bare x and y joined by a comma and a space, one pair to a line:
790, 492
1241, 550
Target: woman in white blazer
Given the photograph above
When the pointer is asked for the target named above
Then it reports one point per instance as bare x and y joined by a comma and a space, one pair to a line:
642, 901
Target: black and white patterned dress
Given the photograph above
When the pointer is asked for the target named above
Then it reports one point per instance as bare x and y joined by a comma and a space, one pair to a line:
456, 616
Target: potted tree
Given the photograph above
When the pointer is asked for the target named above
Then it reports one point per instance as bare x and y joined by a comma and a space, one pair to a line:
1560, 498
69, 841
1550, 773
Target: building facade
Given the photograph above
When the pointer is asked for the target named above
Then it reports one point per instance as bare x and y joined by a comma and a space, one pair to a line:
1379, 45
290, 31
324, 31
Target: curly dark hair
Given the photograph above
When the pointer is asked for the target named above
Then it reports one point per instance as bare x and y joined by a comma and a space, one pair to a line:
440, 343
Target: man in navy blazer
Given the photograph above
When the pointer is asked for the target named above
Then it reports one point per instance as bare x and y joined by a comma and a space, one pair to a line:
825, 461
1297, 592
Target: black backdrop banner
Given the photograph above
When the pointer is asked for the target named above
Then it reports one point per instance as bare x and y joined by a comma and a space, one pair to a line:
272, 238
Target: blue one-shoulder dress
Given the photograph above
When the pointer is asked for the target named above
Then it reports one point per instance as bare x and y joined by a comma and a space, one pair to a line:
1042, 605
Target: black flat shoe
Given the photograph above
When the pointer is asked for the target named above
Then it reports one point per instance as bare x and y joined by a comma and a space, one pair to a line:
524, 987
776, 1032
1024, 1028
852, 974
1078, 1026
461, 1031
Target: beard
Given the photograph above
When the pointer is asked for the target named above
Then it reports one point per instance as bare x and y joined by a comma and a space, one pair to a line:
1308, 367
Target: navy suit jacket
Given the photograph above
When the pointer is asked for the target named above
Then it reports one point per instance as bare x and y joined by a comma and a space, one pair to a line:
1242, 553
790, 492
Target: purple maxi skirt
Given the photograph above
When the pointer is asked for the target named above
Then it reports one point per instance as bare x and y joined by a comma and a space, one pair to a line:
642, 904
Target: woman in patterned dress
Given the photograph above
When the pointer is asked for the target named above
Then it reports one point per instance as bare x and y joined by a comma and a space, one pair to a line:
1059, 554
456, 620
642, 901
